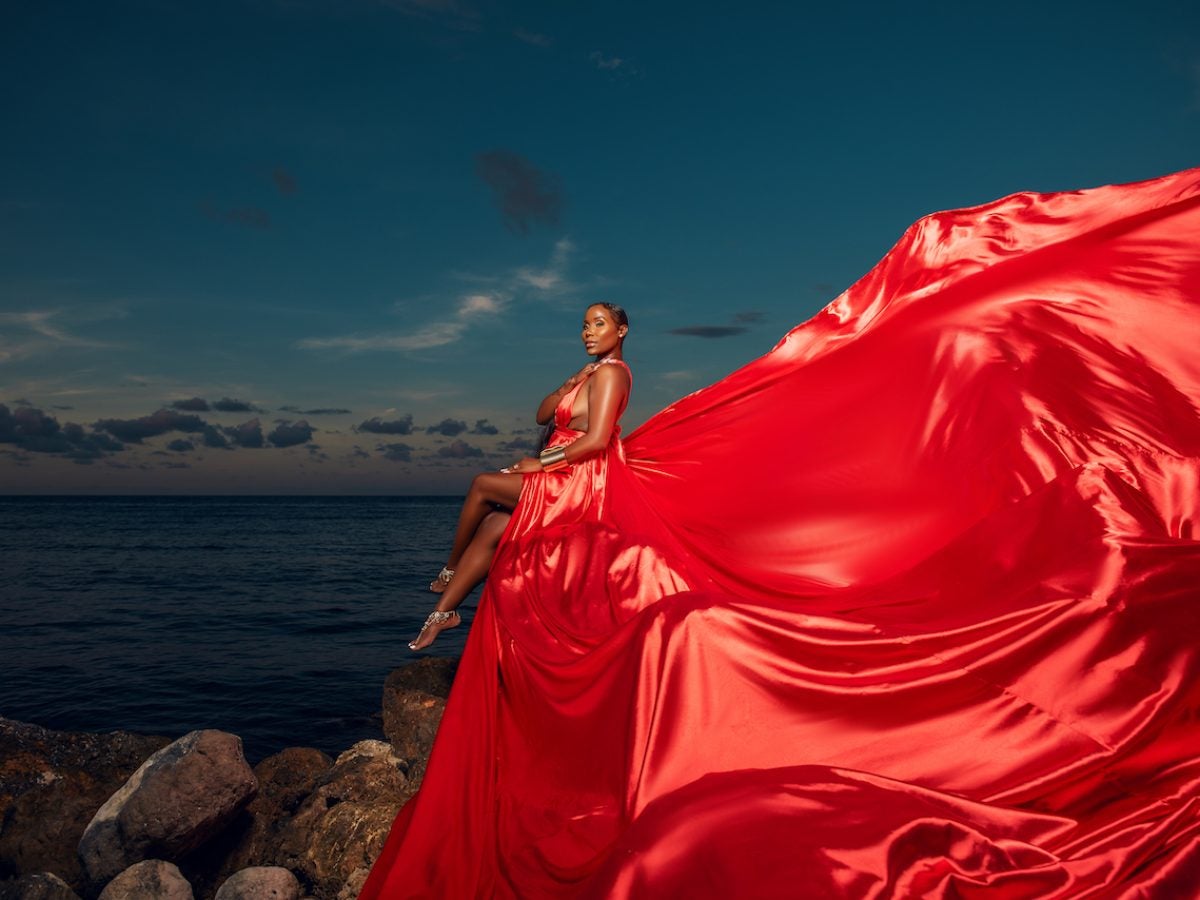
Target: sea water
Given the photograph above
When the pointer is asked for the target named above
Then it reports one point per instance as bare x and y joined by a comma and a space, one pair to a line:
275, 618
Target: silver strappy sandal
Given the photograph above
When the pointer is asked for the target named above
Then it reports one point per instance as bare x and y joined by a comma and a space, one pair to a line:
437, 617
443, 578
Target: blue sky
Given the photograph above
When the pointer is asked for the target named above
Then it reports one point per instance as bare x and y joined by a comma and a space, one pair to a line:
309, 246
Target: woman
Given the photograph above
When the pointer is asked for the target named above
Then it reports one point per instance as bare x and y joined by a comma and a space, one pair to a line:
585, 426
906, 607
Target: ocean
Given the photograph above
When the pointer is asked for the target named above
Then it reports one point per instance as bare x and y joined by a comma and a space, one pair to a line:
275, 618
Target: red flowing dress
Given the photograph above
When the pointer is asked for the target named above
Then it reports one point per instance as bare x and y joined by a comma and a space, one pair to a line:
908, 607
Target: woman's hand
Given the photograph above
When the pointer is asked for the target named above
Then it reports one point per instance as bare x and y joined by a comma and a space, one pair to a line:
578, 377
524, 466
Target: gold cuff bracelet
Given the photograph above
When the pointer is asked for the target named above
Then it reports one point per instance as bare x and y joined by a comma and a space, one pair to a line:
553, 458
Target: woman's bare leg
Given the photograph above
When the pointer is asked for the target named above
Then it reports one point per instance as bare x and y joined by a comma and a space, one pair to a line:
472, 568
487, 488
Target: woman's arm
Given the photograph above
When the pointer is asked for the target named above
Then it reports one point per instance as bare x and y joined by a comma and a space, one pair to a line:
546, 408
606, 393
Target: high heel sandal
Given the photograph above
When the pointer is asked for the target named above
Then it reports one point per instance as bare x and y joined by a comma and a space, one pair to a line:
437, 617
442, 579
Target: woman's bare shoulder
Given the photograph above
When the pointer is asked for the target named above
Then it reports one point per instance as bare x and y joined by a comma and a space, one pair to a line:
616, 373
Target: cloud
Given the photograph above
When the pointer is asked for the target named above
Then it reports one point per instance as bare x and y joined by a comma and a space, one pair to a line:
376, 425
448, 427
179, 445
520, 443
228, 404
450, 13
532, 37
483, 426
525, 195
285, 434
194, 404
284, 182
44, 333
248, 434
747, 317
708, 331
160, 422
553, 278
459, 450
679, 375
470, 308
617, 68
323, 411
396, 452
249, 216
30, 429
214, 438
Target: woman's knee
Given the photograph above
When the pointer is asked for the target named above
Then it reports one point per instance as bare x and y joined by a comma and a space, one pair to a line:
493, 524
479, 484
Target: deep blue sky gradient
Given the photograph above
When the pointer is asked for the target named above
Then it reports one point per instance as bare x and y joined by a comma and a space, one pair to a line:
300, 206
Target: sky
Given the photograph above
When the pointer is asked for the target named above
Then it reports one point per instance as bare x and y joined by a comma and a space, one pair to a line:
344, 246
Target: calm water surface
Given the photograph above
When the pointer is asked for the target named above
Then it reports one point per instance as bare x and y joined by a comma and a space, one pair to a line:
276, 618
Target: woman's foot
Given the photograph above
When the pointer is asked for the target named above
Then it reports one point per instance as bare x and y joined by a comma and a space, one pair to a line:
439, 584
435, 623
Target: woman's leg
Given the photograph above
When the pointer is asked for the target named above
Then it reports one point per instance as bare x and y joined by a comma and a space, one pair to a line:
487, 488
473, 567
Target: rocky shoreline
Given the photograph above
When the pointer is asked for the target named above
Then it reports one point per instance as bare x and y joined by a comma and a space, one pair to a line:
122, 816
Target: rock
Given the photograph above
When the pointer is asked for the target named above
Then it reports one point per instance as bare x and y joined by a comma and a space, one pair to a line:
260, 883
414, 698
173, 803
252, 839
51, 784
339, 829
151, 879
37, 886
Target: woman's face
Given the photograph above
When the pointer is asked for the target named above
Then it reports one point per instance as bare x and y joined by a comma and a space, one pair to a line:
601, 333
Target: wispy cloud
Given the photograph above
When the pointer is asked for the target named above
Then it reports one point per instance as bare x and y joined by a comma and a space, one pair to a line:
451, 13
470, 309
39, 331
616, 67
532, 37
553, 278
551, 281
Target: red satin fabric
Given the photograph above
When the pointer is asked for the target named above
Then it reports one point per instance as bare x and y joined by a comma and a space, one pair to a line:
907, 607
